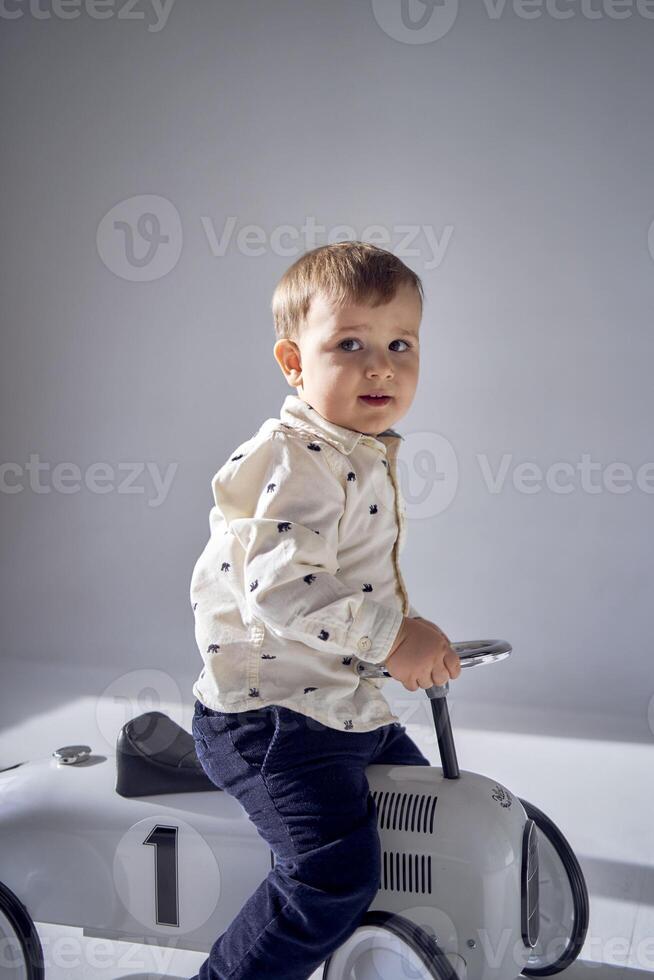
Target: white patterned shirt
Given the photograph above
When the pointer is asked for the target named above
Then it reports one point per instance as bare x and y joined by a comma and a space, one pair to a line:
300, 578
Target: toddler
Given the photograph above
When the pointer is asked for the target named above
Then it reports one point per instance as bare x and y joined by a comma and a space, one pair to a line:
299, 581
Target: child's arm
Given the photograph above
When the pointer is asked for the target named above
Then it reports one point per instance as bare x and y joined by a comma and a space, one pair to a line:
294, 502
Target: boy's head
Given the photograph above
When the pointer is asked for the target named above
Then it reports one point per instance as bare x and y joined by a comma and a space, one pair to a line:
347, 318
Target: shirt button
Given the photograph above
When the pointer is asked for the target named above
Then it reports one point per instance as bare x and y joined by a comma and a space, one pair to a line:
364, 643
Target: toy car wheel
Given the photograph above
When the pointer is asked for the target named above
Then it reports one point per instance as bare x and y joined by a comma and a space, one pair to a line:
386, 946
21, 955
562, 898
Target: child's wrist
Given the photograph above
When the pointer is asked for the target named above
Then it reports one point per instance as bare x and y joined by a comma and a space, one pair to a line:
401, 634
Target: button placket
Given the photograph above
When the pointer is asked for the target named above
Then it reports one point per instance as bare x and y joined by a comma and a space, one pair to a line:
401, 526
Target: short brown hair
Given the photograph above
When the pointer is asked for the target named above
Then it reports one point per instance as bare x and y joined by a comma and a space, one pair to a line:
345, 271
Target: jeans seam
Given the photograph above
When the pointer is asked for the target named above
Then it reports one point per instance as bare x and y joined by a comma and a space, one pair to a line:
265, 780
241, 757
273, 740
260, 772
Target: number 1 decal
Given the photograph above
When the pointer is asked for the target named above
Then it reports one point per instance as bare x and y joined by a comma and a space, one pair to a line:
164, 840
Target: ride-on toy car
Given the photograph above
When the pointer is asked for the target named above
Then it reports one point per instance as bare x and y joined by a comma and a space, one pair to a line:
476, 883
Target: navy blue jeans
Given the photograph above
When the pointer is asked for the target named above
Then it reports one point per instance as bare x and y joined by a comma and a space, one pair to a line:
303, 785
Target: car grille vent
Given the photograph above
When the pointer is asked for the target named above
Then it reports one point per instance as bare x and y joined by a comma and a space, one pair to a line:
413, 812
402, 872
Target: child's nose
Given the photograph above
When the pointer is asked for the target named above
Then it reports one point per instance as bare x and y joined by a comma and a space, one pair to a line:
380, 366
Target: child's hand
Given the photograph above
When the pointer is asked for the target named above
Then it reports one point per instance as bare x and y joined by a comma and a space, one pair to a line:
433, 625
422, 655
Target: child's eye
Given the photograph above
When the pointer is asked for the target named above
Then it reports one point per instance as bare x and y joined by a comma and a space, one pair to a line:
352, 340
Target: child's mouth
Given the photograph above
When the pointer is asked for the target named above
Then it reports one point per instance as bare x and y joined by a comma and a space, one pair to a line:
374, 400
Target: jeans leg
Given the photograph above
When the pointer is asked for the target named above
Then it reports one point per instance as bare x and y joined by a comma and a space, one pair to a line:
306, 791
396, 748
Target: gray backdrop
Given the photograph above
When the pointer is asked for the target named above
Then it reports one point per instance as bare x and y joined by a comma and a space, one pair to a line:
161, 169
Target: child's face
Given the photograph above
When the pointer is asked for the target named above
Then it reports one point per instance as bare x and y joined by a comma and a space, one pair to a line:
348, 351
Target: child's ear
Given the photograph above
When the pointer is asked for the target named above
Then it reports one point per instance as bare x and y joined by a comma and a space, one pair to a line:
287, 355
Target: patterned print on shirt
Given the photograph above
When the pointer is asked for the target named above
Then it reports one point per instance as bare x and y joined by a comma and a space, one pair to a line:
282, 526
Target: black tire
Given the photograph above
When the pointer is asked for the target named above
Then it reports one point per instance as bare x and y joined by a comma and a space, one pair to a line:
26, 933
578, 890
422, 944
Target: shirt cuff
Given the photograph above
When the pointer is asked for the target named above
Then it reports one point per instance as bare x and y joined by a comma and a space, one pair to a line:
374, 631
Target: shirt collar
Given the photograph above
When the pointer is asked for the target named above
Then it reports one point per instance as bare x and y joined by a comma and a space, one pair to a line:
295, 411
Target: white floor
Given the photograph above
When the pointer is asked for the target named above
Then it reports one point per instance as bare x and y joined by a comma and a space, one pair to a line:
599, 792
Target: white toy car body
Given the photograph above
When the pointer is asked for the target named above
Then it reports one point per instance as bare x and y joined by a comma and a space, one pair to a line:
142, 847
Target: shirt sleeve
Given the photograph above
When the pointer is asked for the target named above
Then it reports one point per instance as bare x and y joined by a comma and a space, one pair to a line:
283, 502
